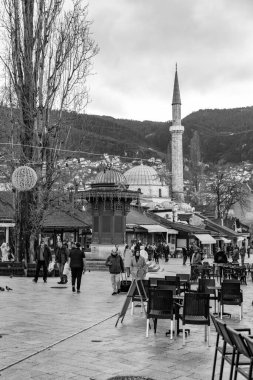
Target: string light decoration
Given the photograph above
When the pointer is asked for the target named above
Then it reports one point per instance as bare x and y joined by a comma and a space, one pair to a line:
24, 178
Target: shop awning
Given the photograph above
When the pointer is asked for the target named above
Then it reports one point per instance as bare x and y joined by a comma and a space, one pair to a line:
225, 240
205, 238
157, 228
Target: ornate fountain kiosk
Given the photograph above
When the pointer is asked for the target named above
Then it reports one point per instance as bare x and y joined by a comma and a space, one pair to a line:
110, 201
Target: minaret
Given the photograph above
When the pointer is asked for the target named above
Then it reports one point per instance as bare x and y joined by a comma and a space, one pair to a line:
177, 131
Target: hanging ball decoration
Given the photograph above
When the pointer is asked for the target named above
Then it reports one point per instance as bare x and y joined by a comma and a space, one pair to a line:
24, 178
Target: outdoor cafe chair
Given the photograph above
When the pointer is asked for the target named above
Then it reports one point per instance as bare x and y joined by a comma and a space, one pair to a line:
160, 306
249, 343
196, 312
185, 284
241, 347
136, 296
203, 287
162, 284
153, 281
195, 272
230, 294
174, 281
226, 349
240, 273
214, 272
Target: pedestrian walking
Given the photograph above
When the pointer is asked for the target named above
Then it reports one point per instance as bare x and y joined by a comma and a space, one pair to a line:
77, 265
42, 258
116, 266
144, 253
61, 258
197, 258
242, 253
235, 254
127, 259
138, 266
156, 256
191, 252
150, 252
250, 251
185, 254
166, 252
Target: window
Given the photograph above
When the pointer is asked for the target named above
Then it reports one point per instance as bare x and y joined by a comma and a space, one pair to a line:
160, 193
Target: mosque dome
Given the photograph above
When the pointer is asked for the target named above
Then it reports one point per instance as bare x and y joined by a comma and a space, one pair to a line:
142, 175
110, 176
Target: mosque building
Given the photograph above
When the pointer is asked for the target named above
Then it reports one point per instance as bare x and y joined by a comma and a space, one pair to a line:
154, 191
145, 179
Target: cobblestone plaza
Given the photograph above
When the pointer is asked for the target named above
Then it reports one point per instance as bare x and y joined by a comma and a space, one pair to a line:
49, 333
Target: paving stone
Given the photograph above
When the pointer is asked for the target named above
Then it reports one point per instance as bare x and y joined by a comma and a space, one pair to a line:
37, 320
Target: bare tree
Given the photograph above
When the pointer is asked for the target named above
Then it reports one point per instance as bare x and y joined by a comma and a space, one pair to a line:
227, 188
47, 59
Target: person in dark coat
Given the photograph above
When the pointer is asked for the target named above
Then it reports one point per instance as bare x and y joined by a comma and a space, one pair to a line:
61, 257
185, 254
42, 258
77, 265
116, 266
191, 252
166, 252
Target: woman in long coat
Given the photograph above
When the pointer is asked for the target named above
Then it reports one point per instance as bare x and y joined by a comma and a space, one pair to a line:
127, 259
138, 266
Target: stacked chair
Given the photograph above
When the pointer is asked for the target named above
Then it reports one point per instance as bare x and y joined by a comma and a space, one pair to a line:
231, 345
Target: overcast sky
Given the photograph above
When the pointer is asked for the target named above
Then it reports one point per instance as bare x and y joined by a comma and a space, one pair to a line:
140, 42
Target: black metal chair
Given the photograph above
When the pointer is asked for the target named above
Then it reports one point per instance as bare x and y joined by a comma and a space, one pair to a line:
160, 306
196, 312
162, 284
230, 294
227, 349
204, 283
136, 296
243, 366
249, 343
173, 281
185, 284
153, 281
195, 272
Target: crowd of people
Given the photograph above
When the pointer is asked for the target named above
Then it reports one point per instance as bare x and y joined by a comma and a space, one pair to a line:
133, 260
6, 252
68, 257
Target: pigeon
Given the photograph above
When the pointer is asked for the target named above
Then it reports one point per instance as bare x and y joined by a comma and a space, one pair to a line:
2, 289
7, 288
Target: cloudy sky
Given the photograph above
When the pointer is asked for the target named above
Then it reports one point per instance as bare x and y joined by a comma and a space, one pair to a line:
140, 42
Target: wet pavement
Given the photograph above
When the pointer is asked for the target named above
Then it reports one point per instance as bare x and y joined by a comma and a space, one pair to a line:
48, 332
